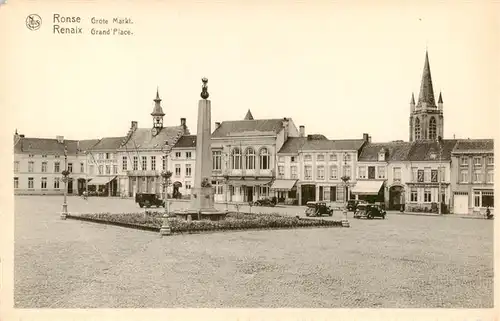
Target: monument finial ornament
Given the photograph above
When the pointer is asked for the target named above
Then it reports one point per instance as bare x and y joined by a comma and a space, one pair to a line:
204, 88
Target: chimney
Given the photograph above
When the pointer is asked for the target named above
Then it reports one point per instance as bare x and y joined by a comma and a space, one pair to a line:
302, 130
60, 139
366, 137
369, 139
22, 135
217, 124
183, 122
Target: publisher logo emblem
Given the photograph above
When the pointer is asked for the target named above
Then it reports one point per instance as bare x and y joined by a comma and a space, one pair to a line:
33, 22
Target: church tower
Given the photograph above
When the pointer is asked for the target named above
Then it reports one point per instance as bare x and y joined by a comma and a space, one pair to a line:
426, 118
157, 115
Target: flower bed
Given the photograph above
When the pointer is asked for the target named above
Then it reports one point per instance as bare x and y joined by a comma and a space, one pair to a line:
234, 221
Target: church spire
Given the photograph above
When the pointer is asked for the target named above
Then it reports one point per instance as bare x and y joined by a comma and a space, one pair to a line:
249, 115
426, 90
412, 101
440, 101
157, 110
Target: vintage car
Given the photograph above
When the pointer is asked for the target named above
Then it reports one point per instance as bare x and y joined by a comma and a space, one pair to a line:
265, 202
369, 211
352, 204
149, 199
318, 209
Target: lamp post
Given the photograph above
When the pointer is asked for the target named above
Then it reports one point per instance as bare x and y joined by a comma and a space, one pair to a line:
345, 178
439, 140
165, 228
65, 174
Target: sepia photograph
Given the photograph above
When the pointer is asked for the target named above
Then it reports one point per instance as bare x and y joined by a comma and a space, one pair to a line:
312, 157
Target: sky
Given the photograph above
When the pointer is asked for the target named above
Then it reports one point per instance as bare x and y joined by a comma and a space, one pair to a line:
340, 69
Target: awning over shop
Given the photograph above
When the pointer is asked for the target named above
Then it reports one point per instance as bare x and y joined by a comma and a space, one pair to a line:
248, 182
367, 187
283, 184
101, 180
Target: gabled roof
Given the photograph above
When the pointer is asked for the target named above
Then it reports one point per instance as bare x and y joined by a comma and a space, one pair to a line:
142, 138
259, 127
426, 90
394, 151
87, 144
292, 145
108, 143
49, 146
186, 141
426, 150
474, 145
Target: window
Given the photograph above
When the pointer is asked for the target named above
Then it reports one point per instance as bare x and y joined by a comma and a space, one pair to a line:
56, 182
188, 155
107, 155
333, 157
362, 172
108, 169
434, 175
427, 196
31, 155
144, 163
413, 196
30, 166
464, 161
347, 157
281, 171
320, 157
164, 163
265, 159
44, 156
478, 176
177, 170
101, 169
420, 177
188, 170
483, 198
307, 158
442, 174
70, 167
56, 156
30, 182
381, 171
321, 172
82, 168
16, 166
308, 172
432, 128
124, 163
293, 171
236, 158
490, 177
417, 129
16, 182
333, 172
371, 172
43, 183
491, 160
381, 156
464, 176
187, 184
44, 167
101, 155
293, 159
427, 174
477, 198
153, 163
250, 158
216, 160
115, 169
177, 154
397, 173
477, 161
264, 190
414, 175
347, 171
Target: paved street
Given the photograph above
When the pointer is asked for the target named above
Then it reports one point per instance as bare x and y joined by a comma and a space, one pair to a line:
402, 262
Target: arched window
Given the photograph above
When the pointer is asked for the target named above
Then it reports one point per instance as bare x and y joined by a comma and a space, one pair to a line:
264, 159
417, 129
236, 159
432, 128
250, 158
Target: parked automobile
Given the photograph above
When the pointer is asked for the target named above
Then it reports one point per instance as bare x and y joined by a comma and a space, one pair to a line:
369, 211
352, 204
149, 199
318, 209
265, 202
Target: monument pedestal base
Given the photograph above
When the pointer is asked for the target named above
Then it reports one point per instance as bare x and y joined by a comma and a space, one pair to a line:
202, 206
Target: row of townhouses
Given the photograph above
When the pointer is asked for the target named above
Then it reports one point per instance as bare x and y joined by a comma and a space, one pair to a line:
257, 158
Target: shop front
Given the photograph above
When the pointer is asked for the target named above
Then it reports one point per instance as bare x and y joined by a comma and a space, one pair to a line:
285, 191
371, 191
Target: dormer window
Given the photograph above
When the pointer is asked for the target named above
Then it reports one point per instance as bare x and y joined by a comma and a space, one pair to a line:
381, 155
433, 156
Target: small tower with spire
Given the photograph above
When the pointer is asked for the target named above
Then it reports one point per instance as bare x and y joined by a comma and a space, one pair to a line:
426, 118
249, 115
157, 113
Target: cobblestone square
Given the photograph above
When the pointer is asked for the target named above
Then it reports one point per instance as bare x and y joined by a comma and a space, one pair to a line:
401, 262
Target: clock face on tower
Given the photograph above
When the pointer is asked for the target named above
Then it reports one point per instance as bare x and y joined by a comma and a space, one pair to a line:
154, 131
